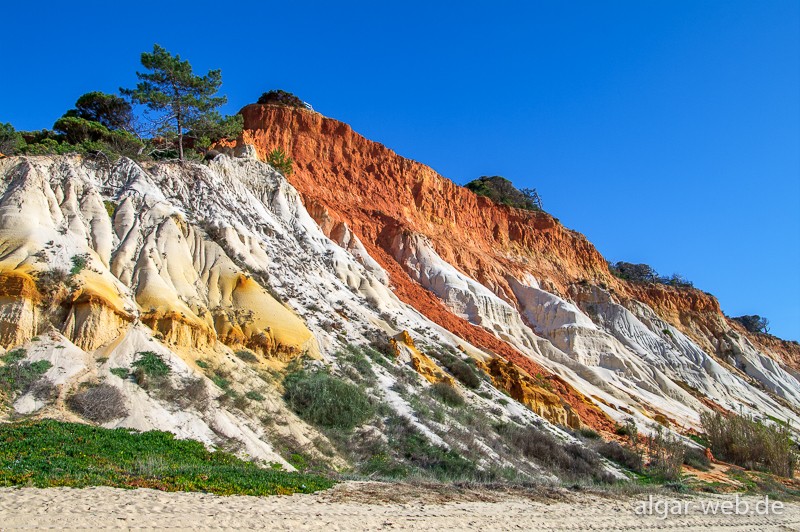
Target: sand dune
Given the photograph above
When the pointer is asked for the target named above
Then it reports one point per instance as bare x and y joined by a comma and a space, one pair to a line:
364, 506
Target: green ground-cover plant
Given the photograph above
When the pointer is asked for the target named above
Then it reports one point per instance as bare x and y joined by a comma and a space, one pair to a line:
150, 364
51, 453
18, 375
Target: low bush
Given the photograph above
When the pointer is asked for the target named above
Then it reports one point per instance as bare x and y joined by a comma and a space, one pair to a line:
447, 394
44, 390
666, 455
327, 401
281, 97
696, 458
628, 429
149, 366
17, 375
750, 443
246, 355
254, 396
356, 364
78, 264
502, 191
625, 456
100, 403
281, 162
571, 461
459, 369
51, 453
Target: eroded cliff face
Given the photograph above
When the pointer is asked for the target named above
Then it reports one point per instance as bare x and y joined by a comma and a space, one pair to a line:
509, 281
363, 262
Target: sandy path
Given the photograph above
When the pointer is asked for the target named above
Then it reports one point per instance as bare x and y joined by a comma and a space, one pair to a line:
359, 506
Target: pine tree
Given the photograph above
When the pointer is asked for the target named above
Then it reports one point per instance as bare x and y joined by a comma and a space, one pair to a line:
174, 94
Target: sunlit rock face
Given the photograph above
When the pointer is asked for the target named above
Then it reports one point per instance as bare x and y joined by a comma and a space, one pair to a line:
100, 262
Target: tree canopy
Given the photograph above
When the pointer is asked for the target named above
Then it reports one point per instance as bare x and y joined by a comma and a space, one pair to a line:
109, 110
281, 97
502, 191
176, 98
754, 323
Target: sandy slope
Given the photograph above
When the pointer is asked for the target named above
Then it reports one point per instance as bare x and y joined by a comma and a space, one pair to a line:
358, 506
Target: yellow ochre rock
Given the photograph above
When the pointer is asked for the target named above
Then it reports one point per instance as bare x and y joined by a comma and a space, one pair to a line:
525, 389
421, 363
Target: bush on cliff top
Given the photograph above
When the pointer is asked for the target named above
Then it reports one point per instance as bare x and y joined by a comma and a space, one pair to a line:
502, 191
643, 273
281, 97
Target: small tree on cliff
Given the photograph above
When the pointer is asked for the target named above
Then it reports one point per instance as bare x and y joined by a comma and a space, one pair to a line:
177, 98
281, 162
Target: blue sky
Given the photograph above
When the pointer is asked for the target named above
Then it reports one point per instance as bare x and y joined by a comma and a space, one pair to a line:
668, 132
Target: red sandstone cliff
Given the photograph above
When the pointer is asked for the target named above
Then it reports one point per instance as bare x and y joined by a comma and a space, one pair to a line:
345, 178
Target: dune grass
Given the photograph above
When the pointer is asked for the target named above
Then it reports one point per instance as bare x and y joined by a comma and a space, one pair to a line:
50, 453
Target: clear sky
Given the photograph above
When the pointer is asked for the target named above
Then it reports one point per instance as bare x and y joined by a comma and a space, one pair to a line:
666, 131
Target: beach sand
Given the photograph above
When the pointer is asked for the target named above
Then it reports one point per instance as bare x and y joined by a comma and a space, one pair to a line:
371, 506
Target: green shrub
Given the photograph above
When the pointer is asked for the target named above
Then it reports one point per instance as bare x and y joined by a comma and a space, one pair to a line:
571, 461
10, 140
254, 396
151, 364
751, 444
459, 369
278, 159
502, 191
221, 381
281, 97
327, 401
696, 458
122, 373
353, 359
111, 208
666, 455
629, 429
51, 453
78, 264
589, 433
447, 394
17, 375
150, 370
246, 355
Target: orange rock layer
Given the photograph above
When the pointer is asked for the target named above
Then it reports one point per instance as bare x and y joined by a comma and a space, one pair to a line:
345, 178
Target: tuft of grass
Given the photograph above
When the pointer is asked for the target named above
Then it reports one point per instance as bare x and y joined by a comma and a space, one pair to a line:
111, 208
447, 394
122, 373
254, 396
459, 369
78, 264
149, 365
202, 364
50, 453
246, 355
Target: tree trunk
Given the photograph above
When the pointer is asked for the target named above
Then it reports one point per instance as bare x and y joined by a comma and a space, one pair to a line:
180, 138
